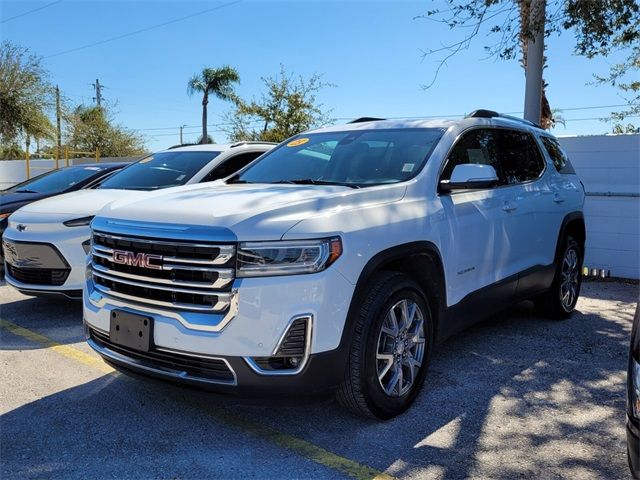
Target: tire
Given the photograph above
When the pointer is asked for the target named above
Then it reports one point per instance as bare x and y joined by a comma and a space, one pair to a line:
554, 303
362, 390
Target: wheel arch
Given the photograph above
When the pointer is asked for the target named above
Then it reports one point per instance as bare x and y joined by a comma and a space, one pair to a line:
573, 224
422, 262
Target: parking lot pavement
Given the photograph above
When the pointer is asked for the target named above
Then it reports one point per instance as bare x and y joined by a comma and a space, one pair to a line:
515, 396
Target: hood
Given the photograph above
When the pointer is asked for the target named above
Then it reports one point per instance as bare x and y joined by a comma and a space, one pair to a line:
11, 201
81, 203
250, 212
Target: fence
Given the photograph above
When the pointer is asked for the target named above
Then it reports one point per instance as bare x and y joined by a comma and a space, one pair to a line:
15, 171
609, 167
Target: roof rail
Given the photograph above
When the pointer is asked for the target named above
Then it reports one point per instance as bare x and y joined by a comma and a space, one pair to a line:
182, 145
251, 142
366, 119
482, 113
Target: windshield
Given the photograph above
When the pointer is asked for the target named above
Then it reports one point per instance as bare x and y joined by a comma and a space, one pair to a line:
57, 180
353, 158
160, 170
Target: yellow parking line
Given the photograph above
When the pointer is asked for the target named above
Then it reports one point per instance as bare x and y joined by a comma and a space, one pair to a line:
297, 445
64, 350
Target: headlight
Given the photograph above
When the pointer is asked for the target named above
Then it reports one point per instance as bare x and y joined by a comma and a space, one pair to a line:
261, 259
78, 222
634, 385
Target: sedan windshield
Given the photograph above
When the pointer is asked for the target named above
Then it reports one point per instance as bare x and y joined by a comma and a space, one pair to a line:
56, 181
357, 158
160, 170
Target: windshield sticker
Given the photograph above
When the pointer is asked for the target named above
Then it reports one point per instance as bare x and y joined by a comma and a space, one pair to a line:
92, 168
297, 142
408, 167
146, 160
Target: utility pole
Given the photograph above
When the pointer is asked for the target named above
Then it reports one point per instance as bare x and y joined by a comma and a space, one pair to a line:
535, 62
98, 97
58, 129
181, 127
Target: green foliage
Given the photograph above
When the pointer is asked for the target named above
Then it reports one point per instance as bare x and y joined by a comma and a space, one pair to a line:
11, 151
213, 81
626, 77
289, 106
25, 94
92, 128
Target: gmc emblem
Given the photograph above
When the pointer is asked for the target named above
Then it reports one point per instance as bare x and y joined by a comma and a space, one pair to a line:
142, 260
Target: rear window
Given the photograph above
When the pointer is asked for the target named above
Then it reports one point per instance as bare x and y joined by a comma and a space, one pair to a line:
57, 180
160, 170
557, 154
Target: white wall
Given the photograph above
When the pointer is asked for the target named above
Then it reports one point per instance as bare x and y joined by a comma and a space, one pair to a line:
15, 171
609, 167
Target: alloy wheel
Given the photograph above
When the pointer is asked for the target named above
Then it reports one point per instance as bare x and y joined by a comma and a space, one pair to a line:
569, 279
401, 347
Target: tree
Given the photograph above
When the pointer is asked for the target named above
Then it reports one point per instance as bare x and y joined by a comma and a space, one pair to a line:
216, 81
625, 76
288, 107
25, 93
599, 27
92, 128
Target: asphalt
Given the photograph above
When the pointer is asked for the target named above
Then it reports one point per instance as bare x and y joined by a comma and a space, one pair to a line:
515, 396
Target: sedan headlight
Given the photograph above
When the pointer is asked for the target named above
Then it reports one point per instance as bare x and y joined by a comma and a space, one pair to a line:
262, 259
78, 222
634, 386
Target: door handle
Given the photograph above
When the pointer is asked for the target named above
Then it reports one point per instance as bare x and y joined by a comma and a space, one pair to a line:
509, 206
558, 198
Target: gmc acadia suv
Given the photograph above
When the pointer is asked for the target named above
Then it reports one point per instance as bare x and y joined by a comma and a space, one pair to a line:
338, 260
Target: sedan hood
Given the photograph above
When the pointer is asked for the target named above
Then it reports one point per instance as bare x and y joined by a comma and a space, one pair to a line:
81, 203
10, 201
248, 212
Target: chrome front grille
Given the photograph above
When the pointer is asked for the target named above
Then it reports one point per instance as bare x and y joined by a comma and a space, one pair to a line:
178, 275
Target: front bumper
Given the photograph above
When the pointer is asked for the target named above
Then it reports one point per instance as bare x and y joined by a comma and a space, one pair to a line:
321, 375
67, 243
262, 311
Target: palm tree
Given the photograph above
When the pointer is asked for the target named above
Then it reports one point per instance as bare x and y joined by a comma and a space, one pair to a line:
216, 81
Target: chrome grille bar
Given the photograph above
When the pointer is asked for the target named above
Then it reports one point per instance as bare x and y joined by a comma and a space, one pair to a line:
225, 277
184, 276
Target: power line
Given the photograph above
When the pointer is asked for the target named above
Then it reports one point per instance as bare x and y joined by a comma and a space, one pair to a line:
592, 107
30, 11
146, 29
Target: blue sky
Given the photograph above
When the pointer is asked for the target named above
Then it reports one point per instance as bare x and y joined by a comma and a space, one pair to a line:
369, 50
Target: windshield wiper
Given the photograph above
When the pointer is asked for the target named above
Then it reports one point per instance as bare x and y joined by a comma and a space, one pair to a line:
26, 190
310, 181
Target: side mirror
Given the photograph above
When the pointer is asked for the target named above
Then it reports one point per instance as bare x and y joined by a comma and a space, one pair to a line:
469, 176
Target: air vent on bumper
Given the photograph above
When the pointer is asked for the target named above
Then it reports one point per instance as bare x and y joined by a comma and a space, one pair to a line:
292, 352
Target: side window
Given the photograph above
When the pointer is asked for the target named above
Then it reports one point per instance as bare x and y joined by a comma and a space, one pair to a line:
477, 146
231, 166
520, 157
560, 159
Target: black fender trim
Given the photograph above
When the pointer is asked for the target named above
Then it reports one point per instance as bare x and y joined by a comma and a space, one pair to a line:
433, 282
569, 218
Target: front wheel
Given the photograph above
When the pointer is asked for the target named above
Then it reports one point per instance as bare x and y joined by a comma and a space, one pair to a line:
561, 299
390, 349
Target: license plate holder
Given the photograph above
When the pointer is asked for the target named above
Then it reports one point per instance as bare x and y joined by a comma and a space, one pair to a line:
131, 330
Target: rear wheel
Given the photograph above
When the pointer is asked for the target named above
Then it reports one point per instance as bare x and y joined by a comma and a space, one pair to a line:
390, 350
560, 300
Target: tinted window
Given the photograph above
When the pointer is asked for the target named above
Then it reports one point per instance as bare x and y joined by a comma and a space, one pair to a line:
520, 158
57, 180
478, 146
231, 166
560, 159
161, 170
359, 158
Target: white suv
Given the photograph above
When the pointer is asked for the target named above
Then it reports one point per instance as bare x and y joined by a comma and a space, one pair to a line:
337, 261
46, 242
